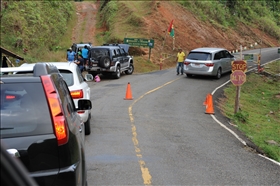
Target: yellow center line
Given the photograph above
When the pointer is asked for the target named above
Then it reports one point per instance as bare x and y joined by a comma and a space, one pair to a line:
147, 178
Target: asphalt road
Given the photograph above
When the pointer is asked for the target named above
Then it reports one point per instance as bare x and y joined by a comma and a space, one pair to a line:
163, 136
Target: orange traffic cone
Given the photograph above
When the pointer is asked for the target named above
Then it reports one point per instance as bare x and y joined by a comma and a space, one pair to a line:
128, 93
209, 105
206, 99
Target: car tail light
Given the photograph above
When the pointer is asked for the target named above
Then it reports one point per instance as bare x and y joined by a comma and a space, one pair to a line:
59, 122
76, 94
209, 64
81, 111
10, 97
186, 63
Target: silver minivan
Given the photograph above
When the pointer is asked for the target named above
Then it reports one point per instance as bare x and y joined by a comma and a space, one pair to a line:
208, 61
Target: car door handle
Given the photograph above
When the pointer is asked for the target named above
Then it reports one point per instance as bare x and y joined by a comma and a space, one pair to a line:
13, 152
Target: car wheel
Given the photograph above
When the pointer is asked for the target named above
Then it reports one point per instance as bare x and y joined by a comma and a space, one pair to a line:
189, 75
130, 70
117, 74
104, 62
87, 126
219, 73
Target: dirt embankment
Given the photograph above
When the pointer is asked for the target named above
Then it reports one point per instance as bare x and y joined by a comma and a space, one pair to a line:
190, 32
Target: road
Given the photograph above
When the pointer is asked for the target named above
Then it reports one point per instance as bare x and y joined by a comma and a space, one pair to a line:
163, 136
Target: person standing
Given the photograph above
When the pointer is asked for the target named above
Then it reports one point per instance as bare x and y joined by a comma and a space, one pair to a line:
180, 61
80, 62
70, 55
85, 53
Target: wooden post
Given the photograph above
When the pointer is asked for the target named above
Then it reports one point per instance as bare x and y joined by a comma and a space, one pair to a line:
238, 88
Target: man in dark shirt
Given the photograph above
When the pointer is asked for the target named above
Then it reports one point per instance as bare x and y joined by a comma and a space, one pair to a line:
80, 62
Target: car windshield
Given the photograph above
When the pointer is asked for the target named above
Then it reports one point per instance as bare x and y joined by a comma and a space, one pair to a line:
24, 110
67, 76
199, 56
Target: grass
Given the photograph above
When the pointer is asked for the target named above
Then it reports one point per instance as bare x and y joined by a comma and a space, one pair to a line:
259, 114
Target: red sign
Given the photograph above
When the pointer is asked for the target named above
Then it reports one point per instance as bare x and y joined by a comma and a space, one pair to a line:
238, 77
239, 65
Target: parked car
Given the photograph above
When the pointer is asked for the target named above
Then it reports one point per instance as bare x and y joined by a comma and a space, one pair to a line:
208, 61
110, 60
76, 47
40, 125
77, 85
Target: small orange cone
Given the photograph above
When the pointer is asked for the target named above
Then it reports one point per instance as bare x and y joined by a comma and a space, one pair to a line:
206, 99
128, 93
209, 105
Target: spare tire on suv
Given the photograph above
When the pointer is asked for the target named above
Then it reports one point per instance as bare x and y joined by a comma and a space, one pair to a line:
105, 62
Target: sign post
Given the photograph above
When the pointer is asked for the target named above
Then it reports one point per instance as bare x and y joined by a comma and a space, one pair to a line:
238, 77
139, 42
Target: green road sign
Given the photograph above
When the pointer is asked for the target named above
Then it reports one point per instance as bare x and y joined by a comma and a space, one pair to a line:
139, 42
249, 57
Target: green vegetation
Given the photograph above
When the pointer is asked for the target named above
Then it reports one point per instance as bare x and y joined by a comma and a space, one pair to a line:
264, 14
259, 114
36, 26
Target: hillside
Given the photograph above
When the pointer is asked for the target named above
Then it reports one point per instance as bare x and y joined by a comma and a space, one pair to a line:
190, 32
31, 29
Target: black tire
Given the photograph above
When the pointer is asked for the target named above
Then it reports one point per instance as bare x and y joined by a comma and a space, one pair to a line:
219, 73
87, 126
104, 62
130, 70
189, 75
117, 74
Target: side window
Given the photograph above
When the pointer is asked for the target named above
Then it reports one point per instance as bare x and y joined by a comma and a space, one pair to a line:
217, 56
228, 55
122, 52
116, 52
119, 52
79, 74
223, 54
66, 99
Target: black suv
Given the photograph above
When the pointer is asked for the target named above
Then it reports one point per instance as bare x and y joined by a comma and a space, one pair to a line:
110, 59
40, 125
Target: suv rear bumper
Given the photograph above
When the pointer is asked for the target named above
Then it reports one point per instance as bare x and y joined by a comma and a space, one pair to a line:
98, 69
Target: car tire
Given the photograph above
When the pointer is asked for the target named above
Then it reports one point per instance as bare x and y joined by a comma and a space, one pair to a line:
87, 126
117, 74
219, 73
104, 62
189, 75
130, 70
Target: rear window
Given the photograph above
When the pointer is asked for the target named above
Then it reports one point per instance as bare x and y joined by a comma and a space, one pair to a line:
199, 56
24, 110
97, 53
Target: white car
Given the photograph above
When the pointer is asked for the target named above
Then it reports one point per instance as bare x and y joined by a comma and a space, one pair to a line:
77, 85
208, 62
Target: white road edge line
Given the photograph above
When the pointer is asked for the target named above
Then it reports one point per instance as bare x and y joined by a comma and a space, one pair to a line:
222, 125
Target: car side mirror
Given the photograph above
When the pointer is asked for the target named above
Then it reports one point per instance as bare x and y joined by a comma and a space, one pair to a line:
88, 77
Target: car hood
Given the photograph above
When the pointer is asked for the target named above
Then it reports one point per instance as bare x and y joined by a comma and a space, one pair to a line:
125, 47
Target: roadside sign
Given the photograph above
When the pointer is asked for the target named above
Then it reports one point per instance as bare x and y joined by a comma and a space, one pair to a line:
239, 65
249, 57
238, 77
139, 42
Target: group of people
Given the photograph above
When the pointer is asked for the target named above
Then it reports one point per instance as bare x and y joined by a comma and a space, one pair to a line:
82, 57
